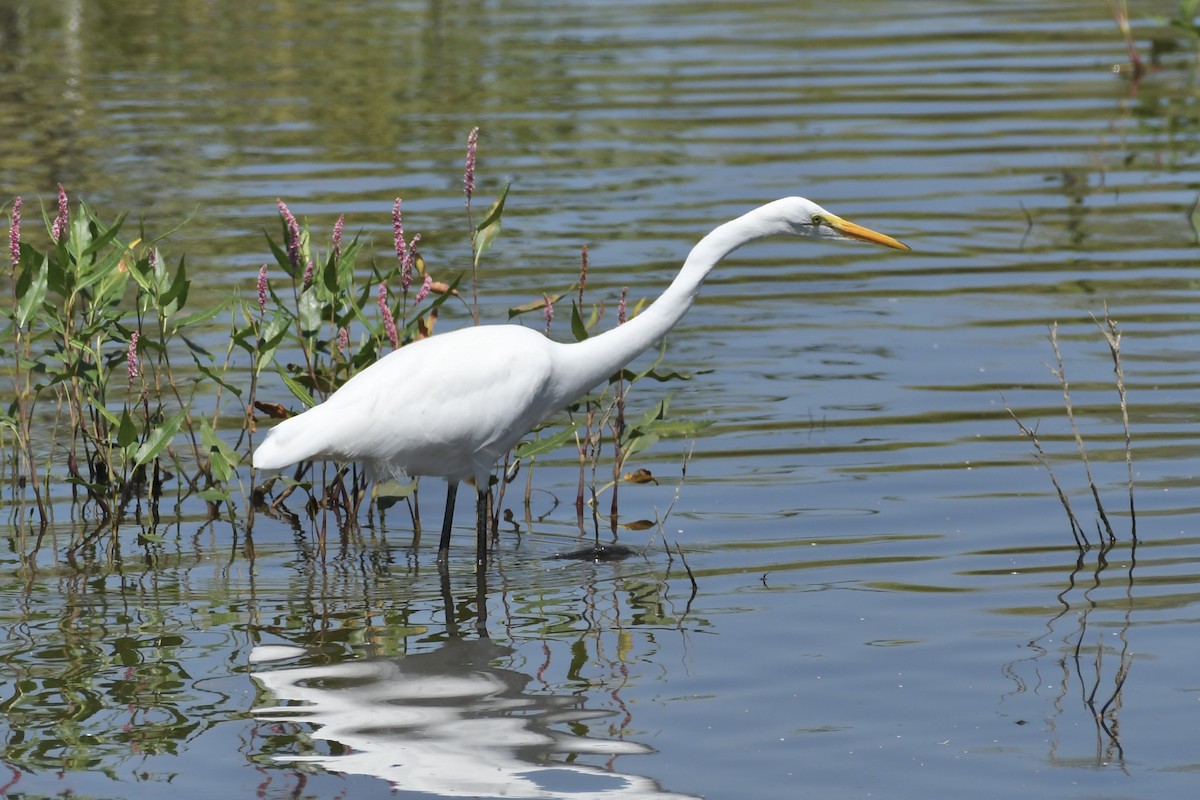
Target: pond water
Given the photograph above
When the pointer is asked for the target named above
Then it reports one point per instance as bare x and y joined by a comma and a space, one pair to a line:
864, 586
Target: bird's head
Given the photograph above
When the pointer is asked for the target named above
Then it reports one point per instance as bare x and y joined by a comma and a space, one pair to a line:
802, 217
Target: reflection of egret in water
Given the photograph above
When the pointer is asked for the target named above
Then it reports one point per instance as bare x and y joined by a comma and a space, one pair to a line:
449, 722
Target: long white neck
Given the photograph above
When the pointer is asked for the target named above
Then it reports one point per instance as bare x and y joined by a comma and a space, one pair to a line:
585, 364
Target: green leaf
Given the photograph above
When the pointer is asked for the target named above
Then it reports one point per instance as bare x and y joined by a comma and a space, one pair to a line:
177, 293
495, 211
537, 447
310, 311
196, 349
219, 465
296, 388
663, 377
281, 256
203, 316
208, 435
109, 417
327, 275
345, 270
639, 443
217, 377
127, 432
578, 327
222, 459
393, 490
656, 412
214, 494
678, 427
141, 273
98, 489
487, 231
112, 286
271, 336
101, 271
33, 293
106, 236
159, 439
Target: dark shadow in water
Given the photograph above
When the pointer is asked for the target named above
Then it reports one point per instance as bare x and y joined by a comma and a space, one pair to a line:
452, 722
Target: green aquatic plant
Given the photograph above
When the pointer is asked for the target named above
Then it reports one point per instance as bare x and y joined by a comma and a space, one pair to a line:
114, 392
337, 324
93, 328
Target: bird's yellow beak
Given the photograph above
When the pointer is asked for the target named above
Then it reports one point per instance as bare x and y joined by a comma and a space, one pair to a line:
853, 231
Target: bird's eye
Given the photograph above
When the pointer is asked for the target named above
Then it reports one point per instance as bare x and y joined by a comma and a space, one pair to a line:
818, 220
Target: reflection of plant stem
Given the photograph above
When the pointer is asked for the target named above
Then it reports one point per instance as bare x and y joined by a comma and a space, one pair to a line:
1105, 720
691, 576
687, 456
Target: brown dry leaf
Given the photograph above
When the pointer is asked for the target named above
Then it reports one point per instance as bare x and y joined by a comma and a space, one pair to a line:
272, 410
535, 305
639, 525
640, 476
425, 325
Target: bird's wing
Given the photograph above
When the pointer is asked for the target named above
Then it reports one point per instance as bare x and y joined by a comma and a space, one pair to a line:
448, 405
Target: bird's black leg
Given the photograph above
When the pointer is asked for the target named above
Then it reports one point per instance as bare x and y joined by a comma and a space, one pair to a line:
447, 521
481, 603
483, 511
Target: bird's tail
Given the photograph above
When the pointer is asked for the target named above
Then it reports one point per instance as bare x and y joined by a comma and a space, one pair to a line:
295, 439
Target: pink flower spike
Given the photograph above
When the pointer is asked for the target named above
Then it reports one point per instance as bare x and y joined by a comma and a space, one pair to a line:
131, 358
262, 288
293, 228
583, 268
469, 172
549, 311
621, 306
308, 275
389, 322
14, 234
426, 285
406, 265
337, 236
343, 340
398, 231
62, 222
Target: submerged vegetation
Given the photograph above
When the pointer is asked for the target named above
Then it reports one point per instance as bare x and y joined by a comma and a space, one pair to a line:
115, 394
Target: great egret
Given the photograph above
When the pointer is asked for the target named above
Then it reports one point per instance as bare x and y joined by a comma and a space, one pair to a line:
453, 404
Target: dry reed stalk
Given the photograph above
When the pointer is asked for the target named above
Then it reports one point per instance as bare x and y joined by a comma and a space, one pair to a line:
1081, 540
1060, 374
1112, 335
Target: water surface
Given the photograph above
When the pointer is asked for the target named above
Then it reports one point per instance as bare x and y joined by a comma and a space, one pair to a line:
887, 597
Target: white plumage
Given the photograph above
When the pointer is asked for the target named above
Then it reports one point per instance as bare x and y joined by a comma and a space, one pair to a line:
446, 406
453, 404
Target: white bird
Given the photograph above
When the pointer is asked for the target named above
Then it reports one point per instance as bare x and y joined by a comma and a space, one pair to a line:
453, 404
